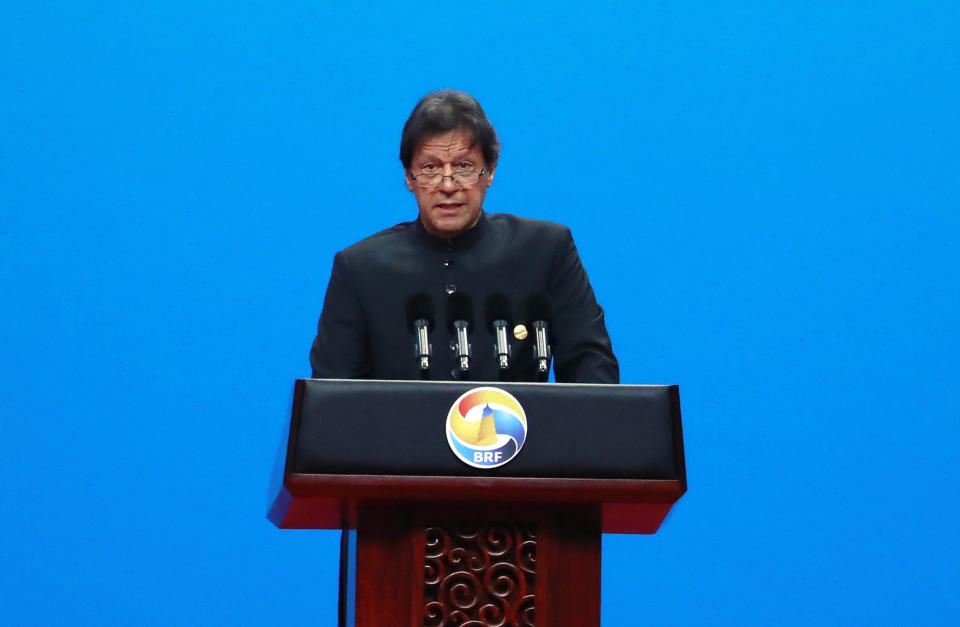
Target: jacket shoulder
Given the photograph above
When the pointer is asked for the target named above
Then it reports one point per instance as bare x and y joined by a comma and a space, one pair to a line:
529, 227
380, 244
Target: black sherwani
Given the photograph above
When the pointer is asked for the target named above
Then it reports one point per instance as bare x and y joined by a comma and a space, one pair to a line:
364, 332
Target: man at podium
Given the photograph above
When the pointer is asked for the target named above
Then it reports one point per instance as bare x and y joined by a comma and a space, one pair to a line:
459, 293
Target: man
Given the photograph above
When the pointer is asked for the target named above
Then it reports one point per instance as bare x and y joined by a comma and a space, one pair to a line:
458, 263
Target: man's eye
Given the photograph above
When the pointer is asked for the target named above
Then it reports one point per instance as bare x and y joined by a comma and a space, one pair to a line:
464, 165
430, 167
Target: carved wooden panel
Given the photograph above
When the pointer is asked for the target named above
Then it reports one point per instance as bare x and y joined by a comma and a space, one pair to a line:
479, 576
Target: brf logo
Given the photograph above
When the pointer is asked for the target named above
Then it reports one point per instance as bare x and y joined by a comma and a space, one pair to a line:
486, 427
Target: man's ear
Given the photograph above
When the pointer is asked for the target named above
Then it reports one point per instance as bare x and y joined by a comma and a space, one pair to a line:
408, 179
490, 171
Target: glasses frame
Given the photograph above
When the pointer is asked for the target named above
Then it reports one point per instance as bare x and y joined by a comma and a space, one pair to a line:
439, 183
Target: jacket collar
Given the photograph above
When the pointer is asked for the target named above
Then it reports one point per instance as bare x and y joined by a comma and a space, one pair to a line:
461, 242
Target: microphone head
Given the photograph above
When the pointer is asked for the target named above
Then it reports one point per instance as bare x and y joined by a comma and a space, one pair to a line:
459, 307
498, 308
419, 307
538, 307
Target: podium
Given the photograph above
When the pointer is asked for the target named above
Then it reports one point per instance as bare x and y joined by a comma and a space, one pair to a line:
433, 541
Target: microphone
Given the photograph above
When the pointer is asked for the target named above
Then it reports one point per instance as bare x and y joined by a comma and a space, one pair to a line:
498, 319
420, 319
460, 312
539, 310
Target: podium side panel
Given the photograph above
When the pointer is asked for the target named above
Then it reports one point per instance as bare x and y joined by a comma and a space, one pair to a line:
568, 570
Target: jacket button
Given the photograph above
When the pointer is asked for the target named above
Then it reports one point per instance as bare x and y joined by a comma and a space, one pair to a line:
448, 264
450, 288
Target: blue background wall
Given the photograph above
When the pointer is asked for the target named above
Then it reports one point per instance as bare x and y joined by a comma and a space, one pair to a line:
765, 196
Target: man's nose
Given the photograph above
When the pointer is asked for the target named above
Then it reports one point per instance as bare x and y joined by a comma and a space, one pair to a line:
447, 184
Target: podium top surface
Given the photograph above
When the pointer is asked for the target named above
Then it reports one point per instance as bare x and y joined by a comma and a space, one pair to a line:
356, 442
574, 431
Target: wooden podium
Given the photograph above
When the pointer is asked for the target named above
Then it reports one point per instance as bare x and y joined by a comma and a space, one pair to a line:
432, 541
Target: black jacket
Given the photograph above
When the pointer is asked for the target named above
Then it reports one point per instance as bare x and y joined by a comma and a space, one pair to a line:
364, 331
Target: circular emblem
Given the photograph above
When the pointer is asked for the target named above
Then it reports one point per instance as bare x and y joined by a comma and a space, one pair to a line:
520, 332
486, 427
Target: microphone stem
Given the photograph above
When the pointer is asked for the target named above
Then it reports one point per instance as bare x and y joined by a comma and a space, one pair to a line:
542, 350
463, 345
502, 347
423, 343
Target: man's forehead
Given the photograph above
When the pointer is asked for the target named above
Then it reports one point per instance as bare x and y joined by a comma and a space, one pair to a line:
458, 142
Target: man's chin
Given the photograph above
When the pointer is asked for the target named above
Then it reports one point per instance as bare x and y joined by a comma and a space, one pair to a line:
448, 228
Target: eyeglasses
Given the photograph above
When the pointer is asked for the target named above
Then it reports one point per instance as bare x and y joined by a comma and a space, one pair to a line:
463, 178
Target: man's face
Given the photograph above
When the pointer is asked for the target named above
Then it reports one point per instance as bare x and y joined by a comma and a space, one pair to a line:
450, 209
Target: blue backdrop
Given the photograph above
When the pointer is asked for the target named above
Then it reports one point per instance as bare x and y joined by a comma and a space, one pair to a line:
764, 194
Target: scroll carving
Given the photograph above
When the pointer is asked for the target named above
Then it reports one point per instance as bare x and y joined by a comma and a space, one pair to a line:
480, 576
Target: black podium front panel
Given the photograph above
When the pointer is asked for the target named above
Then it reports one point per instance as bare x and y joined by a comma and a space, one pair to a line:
356, 427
